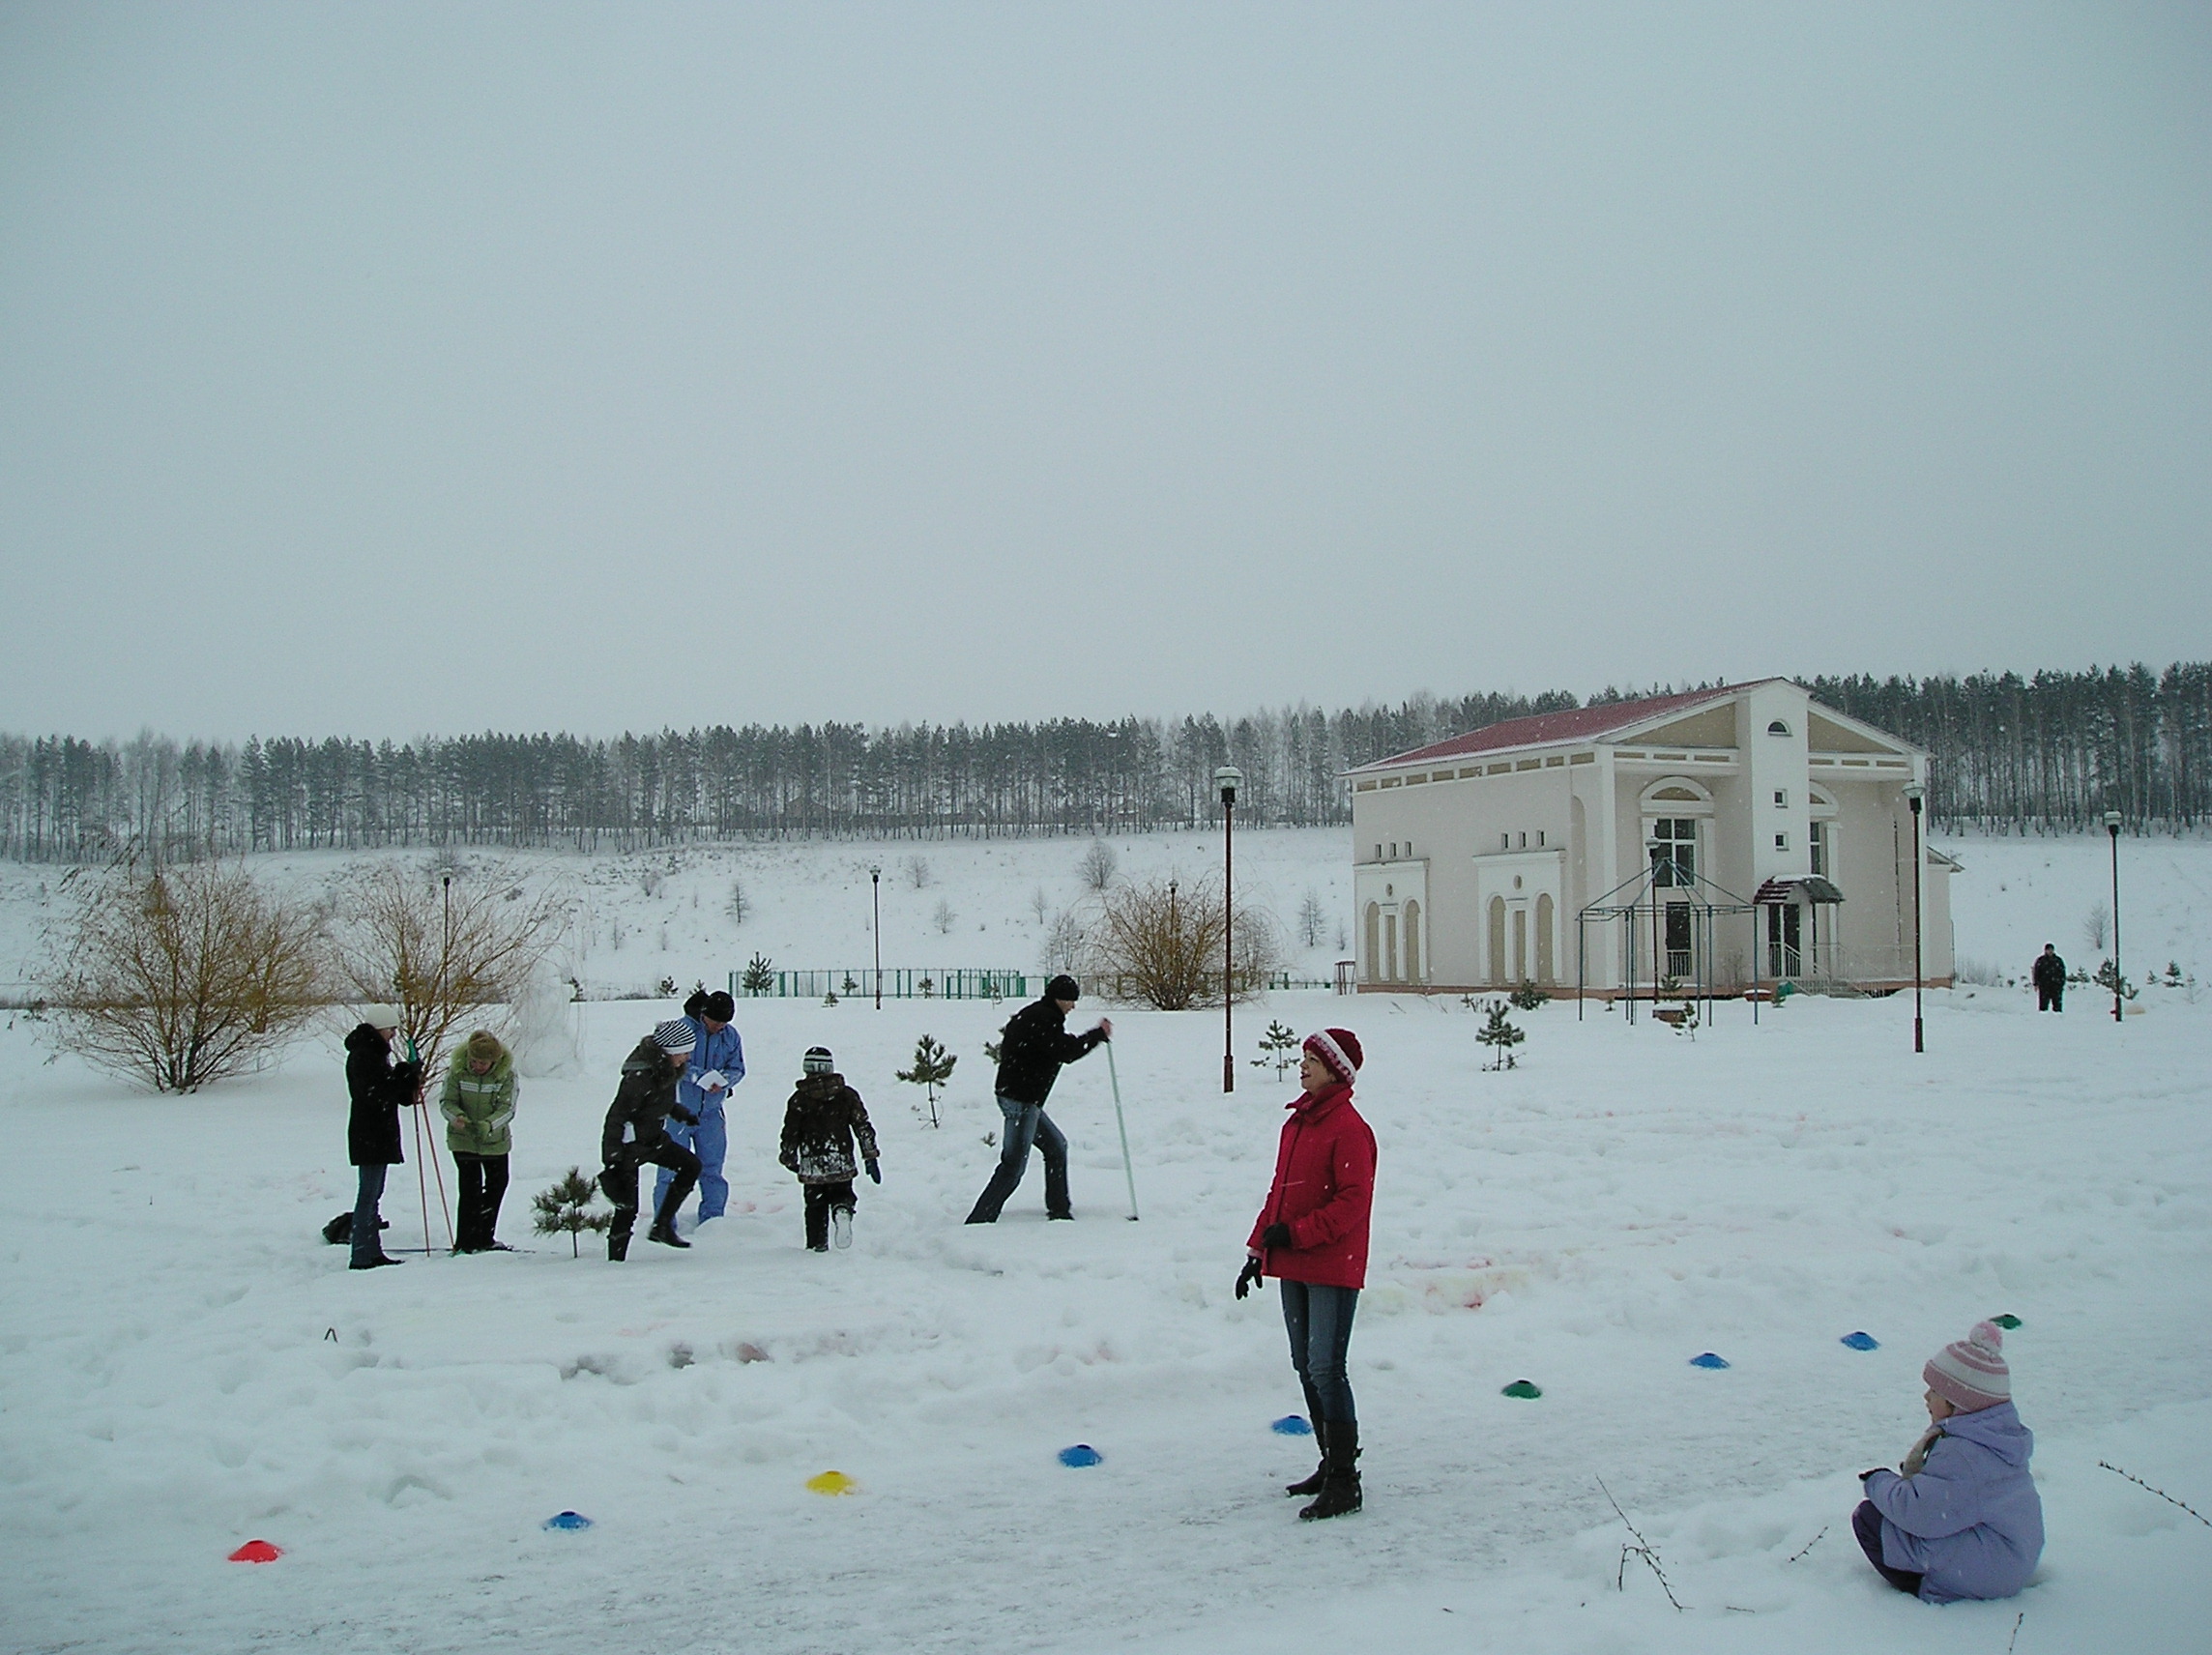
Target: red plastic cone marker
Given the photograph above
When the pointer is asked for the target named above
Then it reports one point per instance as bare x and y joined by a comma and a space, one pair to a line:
257, 1551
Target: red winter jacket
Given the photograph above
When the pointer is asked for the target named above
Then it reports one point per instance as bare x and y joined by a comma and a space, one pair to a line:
1323, 1190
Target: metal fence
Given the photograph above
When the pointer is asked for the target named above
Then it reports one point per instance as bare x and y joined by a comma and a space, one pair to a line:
916, 983
906, 983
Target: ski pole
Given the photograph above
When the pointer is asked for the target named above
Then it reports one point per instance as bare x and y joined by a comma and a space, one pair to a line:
1128, 1169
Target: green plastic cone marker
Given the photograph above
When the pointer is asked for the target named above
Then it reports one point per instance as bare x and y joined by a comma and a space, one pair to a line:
1520, 1388
2008, 1321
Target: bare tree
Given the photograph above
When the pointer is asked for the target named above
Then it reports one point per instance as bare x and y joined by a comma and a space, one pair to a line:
1313, 918
943, 919
179, 976
917, 872
443, 946
1040, 905
2096, 925
737, 907
1063, 949
1099, 865
1160, 944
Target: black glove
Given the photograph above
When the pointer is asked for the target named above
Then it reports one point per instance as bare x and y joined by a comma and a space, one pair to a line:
875, 1172
683, 1114
1248, 1277
1275, 1236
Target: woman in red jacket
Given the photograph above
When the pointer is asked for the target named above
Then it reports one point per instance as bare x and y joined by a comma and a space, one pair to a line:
1312, 1238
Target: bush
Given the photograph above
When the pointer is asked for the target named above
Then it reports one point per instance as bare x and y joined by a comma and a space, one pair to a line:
1156, 942
443, 946
178, 977
1099, 865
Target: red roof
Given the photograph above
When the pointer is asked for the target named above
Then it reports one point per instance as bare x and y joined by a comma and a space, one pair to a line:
1543, 729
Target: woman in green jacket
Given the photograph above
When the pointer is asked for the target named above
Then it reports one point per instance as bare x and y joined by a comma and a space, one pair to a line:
478, 1107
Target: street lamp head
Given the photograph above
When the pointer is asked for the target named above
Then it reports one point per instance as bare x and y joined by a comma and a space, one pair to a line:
1913, 794
875, 872
2113, 823
1229, 778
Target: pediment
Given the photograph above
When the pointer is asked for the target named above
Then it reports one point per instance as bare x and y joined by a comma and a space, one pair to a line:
1714, 727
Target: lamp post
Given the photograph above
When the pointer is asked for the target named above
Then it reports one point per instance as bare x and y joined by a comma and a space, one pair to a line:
1912, 797
1227, 778
876, 926
2113, 827
1654, 851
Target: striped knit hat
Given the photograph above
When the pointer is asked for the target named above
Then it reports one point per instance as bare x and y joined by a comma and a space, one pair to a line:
675, 1035
1971, 1374
819, 1061
1339, 1049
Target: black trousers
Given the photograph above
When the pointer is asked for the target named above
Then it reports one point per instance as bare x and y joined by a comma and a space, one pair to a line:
821, 1199
2050, 999
620, 1180
1866, 1524
484, 1186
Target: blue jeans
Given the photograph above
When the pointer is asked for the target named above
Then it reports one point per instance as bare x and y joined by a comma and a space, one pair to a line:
1027, 1123
1319, 1321
710, 1140
367, 1222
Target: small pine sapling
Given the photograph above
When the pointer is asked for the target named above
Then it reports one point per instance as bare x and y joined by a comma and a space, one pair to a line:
1529, 998
562, 1208
1501, 1036
760, 975
1279, 1046
932, 1068
2109, 979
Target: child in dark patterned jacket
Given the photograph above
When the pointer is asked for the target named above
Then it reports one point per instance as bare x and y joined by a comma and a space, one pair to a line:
820, 1124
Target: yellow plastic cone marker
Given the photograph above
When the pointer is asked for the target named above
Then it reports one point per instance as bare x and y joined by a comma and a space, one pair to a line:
833, 1483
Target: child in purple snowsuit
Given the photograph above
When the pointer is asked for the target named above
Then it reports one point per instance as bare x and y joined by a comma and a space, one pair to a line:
1963, 1519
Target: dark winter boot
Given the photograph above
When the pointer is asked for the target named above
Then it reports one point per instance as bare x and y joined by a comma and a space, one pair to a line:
1340, 1476
663, 1229
618, 1246
1313, 1485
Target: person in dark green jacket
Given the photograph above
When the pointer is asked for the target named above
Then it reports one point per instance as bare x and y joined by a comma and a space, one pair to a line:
478, 1106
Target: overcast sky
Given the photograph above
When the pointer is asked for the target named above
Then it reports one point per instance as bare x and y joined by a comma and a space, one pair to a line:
385, 370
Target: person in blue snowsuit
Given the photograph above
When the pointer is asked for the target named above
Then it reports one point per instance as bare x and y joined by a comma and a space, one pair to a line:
718, 1064
1961, 1517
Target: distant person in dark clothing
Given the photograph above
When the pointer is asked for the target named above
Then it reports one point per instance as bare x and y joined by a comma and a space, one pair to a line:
1032, 1047
819, 1123
2050, 977
636, 1132
378, 1086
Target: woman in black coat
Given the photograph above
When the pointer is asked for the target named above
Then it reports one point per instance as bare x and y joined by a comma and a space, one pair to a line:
378, 1088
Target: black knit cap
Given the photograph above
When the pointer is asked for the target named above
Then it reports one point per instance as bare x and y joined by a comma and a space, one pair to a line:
720, 1006
1064, 987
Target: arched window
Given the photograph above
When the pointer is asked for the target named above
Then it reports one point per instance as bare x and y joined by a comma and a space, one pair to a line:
1521, 943
1371, 924
1546, 967
1497, 940
1778, 728
1390, 948
1412, 940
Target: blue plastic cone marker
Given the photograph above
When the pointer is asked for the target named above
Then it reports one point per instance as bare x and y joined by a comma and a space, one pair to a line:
1082, 1454
1709, 1360
569, 1520
1291, 1425
1862, 1341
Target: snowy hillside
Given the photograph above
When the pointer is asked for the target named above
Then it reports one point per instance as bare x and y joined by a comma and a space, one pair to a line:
185, 1366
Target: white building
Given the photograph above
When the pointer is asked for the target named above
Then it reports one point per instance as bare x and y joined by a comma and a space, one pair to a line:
1725, 837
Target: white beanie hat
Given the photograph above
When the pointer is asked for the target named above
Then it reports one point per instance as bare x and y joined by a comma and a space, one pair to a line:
382, 1016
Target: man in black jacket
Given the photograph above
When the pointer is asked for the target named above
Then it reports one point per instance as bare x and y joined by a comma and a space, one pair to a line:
1032, 1047
377, 1087
636, 1132
2050, 978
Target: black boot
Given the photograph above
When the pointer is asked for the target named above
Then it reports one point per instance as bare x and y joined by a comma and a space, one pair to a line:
618, 1246
1340, 1476
1313, 1484
664, 1233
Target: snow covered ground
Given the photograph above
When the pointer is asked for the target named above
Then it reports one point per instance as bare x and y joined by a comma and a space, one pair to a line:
185, 1366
